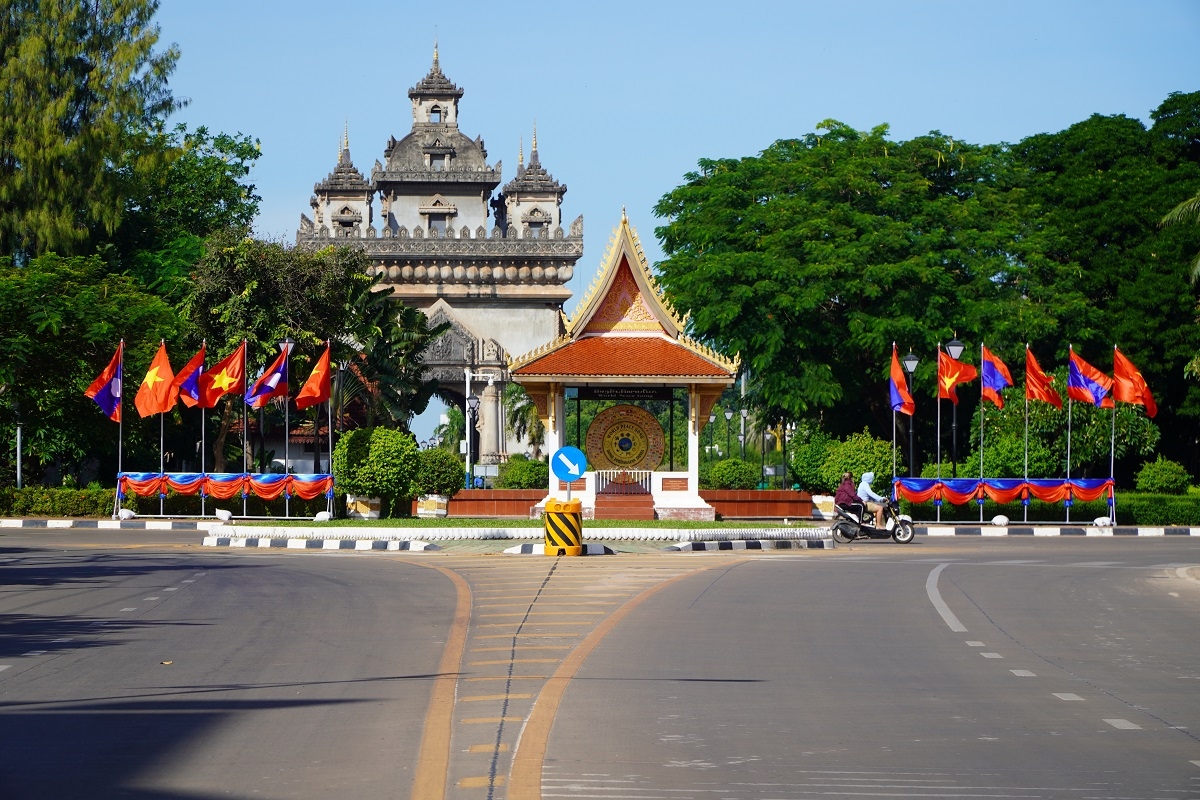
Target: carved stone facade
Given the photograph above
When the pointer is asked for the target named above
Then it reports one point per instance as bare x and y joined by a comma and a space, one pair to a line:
494, 264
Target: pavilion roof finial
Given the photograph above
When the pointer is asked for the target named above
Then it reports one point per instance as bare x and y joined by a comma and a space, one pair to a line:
435, 53
534, 150
521, 153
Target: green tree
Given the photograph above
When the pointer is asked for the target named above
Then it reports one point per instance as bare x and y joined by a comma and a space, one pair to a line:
264, 292
523, 421
812, 258
60, 322
378, 462
198, 188
1103, 185
81, 81
388, 340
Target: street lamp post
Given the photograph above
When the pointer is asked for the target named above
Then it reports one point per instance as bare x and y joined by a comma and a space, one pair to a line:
954, 348
472, 410
742, 435
910, 362
711, 419
728, 417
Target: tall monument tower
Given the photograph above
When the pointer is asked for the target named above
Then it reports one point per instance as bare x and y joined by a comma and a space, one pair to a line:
493, 263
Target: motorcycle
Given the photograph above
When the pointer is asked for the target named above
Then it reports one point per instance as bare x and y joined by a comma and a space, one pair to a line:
858, 523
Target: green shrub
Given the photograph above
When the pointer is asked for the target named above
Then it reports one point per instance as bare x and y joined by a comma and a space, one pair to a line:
1163, 476
1157, 510
733, 473
521, 473
807, 458
859, 453
704, 475
378, 462
439, 472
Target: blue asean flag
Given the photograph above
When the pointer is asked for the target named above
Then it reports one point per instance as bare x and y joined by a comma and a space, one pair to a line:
106, 389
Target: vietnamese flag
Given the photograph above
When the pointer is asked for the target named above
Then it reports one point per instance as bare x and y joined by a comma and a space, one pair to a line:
316, 389
158, 392
227, 375
952, 372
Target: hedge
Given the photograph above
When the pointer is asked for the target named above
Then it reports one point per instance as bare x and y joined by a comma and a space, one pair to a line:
1132, 509
40, 501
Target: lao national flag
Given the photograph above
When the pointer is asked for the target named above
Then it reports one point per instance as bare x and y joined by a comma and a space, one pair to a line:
1129, 386
1087, 384
106, 389
187, 382
995, 377
272, 383
898, 387
316, 389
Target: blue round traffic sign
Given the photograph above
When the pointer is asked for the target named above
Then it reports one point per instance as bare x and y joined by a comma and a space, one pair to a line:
568, 463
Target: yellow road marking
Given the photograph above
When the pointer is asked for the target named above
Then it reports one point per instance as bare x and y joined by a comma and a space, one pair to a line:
480, 697
489, 720
506, 678
515, 661
488, 748
433, 759
481, 781
526, 771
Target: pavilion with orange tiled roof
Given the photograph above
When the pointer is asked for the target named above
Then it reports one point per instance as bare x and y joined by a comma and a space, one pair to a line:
625, 342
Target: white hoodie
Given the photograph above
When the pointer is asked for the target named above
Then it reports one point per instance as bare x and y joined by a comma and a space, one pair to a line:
864, 488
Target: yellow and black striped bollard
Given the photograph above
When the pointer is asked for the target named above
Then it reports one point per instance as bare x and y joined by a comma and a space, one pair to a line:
564, 527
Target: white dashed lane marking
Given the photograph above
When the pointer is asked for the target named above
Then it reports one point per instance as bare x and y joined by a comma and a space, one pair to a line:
129, 609
1023, 673
1066, 696
172, 589
4, 667
1123, 724
991, 655
150, 598
974, 644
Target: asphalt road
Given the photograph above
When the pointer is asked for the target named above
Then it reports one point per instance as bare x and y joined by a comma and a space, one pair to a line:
1057, 668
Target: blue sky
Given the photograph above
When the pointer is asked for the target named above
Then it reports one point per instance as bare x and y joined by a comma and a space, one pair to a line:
628, 96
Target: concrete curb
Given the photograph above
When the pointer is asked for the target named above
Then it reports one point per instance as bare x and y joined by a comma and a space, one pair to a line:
317, 544
1052, 530
589, 549
753, 544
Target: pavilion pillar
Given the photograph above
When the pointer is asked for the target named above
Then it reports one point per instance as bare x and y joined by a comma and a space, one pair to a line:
693, 438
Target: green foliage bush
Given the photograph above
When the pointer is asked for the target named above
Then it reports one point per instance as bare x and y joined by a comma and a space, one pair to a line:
807, 457
439, 472
96, 503
1163, 476
859, 453
521, 473
377, 462
733, 473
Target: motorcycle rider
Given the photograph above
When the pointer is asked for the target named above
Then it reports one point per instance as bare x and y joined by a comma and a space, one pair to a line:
846, 495
873, 501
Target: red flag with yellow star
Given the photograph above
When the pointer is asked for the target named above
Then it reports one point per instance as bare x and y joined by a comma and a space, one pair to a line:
158, 392
316, 388
227, 375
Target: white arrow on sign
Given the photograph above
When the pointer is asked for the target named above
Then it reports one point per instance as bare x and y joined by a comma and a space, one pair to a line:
572, 467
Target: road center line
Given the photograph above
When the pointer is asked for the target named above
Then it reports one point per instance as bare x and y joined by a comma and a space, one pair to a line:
935, 597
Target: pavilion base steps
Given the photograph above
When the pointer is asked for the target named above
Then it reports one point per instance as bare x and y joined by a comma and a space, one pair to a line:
624, 506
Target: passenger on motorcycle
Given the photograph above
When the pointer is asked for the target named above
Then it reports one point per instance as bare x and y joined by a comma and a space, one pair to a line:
846, 495
874, 502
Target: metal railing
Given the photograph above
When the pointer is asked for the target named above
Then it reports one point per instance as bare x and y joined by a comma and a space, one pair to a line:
623, 481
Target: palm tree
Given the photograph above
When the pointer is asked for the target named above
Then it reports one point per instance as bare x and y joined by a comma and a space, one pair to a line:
523, 420
1187, 211
388, 341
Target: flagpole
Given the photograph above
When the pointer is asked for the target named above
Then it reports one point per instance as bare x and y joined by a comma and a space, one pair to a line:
1025, 506
938, 398
329, 417
161, 469
1112, 447
1070, 405
203, 446
287, 425
981, 425
120, 426
245, 424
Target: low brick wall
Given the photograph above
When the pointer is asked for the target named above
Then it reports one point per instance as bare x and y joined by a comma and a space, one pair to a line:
758, 504
492, 502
